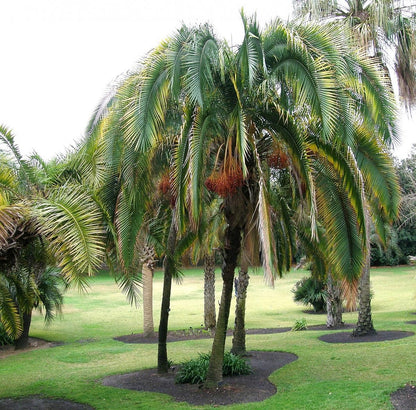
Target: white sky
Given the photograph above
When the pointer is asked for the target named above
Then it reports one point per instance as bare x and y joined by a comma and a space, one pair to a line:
58, 56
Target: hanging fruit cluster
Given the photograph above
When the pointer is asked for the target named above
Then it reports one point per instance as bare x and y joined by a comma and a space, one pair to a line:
278, 159
164, 184
165, 187
225, 182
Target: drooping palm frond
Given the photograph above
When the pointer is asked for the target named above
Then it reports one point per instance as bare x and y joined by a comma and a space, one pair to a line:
201, 56
250, 54
339, 217
379, 175
9, 315
309, 76
72, 224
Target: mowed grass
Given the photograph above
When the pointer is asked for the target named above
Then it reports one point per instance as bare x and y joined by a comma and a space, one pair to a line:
325, 376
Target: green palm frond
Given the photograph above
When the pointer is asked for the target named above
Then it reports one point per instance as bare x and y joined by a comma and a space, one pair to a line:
72, 224
200, 58
250, 55
147, 103
180, 173
343, 235
9, 315
198, 144
378, 172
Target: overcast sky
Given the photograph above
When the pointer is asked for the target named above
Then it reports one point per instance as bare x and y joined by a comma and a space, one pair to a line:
58, 56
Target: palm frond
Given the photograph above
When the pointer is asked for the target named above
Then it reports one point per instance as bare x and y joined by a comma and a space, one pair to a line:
72, 224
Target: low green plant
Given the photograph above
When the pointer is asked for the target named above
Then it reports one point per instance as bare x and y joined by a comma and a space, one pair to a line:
195, 371
300, 324
235, 365
310, 291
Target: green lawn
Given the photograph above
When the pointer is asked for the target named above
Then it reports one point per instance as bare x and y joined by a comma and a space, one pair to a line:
326, 376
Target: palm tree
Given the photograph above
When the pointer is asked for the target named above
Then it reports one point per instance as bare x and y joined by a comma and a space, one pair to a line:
235, 107
377, 26
42, 224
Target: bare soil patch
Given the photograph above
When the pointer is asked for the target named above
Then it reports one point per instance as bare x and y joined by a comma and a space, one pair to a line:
404, 398
380, 336
37, 402
237, 389
34, 343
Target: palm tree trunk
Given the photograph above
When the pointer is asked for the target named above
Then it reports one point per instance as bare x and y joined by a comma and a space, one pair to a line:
23, 340
232, 246
209, 292
365, 322
333, 303
239, 335
169, 270
147, 277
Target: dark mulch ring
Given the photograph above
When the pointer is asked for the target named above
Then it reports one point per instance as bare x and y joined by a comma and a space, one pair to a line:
191, 334
404, 398
237, 389
37, 402
380, 336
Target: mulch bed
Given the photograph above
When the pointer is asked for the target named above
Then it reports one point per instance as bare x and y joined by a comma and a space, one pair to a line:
192, 334
404, 398
37, 402
380, 336
237, 389
411, 322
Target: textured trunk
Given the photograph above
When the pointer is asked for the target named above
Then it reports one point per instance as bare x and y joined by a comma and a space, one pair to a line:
23, 340
365, 322
231, 251
209, 292
333, 303
169, 269
147, 277
239, 335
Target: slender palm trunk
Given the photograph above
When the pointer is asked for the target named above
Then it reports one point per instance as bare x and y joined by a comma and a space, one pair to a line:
232, 245
365, 322
209, 292
333, 302
23, 340
169, 270
147, 277
239, 335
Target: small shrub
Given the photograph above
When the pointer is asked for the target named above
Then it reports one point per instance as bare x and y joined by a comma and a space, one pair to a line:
311, 291
300, 324
195, 371
235, 365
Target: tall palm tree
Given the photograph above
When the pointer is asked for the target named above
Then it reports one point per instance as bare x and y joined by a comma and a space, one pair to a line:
377, 26
235, 106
